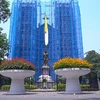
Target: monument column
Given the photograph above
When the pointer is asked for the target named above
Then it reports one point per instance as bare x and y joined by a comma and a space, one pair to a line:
45, 81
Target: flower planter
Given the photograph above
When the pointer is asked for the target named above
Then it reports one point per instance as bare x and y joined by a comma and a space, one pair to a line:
17, 79
72, 78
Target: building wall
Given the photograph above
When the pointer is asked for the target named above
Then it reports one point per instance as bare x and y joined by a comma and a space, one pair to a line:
27, 32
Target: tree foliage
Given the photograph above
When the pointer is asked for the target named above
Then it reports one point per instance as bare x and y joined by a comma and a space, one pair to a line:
4, 15
94, 58
3, 46
4, 10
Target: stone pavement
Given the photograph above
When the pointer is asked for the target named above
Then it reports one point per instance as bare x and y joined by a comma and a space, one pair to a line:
87, 95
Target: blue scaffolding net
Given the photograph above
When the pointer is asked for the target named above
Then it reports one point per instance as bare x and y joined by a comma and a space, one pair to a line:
26, 35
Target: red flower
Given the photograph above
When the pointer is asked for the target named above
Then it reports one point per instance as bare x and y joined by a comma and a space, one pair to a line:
16, 63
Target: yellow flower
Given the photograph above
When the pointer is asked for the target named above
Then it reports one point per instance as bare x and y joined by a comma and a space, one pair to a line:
71, 62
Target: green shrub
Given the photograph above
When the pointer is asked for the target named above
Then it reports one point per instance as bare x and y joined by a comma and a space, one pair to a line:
85, 86
54, 87
27, 86
5, 87
62, 86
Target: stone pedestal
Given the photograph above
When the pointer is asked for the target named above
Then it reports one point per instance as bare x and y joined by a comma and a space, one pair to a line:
45, 81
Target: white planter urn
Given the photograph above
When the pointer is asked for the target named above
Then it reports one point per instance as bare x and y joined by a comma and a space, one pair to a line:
72, 78
17, 79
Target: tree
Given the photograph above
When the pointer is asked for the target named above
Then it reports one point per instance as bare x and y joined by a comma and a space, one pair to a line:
4, 10
3, 53
4, 15
3, 46
94, 58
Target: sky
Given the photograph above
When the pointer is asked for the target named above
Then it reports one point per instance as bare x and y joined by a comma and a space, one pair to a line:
90, 20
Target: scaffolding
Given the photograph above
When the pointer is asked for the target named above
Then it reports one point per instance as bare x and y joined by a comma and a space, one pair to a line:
26, 36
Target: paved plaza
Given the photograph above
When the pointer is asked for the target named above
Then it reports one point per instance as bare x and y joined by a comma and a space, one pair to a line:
87, 95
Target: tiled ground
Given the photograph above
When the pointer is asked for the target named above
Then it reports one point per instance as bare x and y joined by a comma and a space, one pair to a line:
93, 95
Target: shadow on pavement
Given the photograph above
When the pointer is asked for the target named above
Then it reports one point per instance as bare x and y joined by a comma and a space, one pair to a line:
74, 93
90, 99
21, 94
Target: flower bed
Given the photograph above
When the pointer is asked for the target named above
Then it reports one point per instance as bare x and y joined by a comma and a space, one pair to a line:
71, 63
16, 63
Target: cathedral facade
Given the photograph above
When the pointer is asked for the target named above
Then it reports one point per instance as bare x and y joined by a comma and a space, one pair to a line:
29, 22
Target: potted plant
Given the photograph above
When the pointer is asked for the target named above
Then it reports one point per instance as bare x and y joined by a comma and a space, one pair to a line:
71, 69
17, 69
